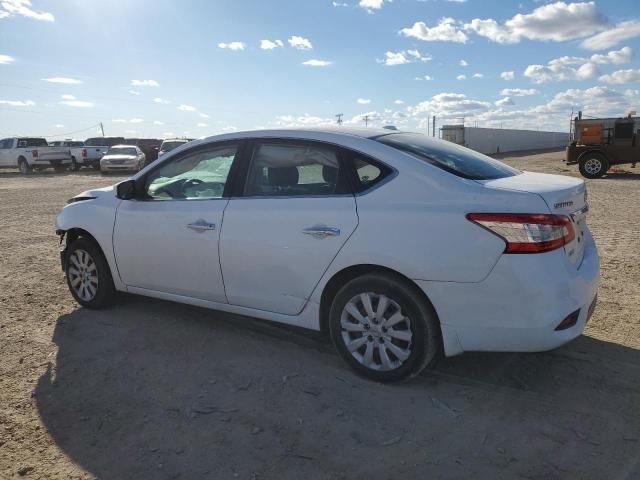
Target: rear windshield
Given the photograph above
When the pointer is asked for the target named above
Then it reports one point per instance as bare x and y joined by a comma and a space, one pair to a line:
32, 142
122, 151
453, 158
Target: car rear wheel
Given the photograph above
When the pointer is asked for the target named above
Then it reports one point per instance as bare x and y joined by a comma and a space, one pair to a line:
75, 166
24, 167
88, 274
384, 328
593, 165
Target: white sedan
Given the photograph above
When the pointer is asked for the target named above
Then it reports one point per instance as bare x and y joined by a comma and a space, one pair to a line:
400, 246
123, 158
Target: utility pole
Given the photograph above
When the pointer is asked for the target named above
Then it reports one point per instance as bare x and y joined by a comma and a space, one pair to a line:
427, 125
339, 118
366, 121
102, 129
433, 127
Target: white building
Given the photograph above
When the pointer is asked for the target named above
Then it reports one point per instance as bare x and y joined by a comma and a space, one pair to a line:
496, 140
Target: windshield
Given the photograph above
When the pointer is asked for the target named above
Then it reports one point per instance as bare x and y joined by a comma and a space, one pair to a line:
455, 159
122, 151
168, 146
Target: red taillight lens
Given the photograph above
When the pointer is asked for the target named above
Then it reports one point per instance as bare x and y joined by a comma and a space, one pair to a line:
34, 153
84, 152
527, 232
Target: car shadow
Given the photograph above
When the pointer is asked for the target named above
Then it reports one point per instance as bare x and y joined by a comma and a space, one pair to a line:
626, 175
150, 389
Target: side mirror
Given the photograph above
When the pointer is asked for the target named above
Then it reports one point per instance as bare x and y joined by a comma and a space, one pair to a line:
126, 190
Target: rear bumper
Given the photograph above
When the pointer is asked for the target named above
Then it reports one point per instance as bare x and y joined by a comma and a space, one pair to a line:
518, 307
50, 163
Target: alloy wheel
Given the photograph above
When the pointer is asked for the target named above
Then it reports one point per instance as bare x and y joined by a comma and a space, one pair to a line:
376, 332
83, 274
593, 166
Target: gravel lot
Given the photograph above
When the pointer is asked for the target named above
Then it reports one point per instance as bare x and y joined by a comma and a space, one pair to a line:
149, 389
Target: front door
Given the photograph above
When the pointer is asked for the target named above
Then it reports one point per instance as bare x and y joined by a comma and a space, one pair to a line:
167, 241
295, 213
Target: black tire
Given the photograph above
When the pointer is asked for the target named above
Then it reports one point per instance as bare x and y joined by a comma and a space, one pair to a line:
104, 292
95, 166
593, 165
75, 166
24, 167
60, 168
425, 340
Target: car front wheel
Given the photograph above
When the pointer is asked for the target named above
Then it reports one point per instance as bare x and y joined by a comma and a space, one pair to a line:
88, 275
384, 328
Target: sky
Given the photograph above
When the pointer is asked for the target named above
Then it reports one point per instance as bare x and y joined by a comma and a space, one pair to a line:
195, 68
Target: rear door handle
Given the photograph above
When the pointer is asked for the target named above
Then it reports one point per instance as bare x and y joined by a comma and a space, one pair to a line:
320, 231
201, 226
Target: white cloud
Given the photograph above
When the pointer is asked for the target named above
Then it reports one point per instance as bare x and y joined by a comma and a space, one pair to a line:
119, 120
168, 134
203, 115
66, 96
403, 57
144, 83
134, 92
187, 108
576, 68
518, 92
609, 38
447, 30
370, 5
76, 103
425, 77
556, 22
317, 63
399, 102
58, 125
622, 76
300, 43
478, 75
18, 103
161, 100
461, 77
23, 8
339, 4
269, 45
201, 125
448, 105
136, 120
63, 80
363, 101
504, 102
598, 101
508, 75
158, 122
130, 131
232, 46
463, 63
6, 59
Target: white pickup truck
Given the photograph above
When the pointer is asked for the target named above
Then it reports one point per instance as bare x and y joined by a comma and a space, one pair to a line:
29, 153
93, 150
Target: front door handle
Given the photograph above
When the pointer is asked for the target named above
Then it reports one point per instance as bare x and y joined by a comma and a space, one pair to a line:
320, 231
201, 226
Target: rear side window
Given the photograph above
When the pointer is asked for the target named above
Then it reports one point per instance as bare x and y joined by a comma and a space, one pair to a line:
368, 173
32, 142
455, 159
294, 169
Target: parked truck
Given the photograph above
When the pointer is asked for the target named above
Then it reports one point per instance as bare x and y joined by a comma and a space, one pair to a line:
32, 153
93, 150
600, 143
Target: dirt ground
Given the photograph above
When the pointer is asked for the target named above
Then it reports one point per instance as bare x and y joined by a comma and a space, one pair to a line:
150, 389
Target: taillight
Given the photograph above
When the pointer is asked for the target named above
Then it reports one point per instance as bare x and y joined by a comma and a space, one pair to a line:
527, 232
34, 153
84, 152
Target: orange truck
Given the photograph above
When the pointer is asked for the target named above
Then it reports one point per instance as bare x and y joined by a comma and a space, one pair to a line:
600, 143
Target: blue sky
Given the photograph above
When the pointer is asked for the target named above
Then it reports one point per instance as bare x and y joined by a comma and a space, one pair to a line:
197, 67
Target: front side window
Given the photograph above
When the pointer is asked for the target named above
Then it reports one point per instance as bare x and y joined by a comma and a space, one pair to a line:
453, 158
197, 176
291, 169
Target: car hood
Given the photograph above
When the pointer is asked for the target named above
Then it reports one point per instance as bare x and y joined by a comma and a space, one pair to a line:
97, 192
119, 157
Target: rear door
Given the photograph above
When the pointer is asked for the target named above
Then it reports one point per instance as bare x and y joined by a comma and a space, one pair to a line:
5, 157
293, 214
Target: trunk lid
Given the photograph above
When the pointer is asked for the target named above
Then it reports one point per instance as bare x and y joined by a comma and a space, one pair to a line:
563, 195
